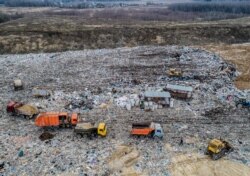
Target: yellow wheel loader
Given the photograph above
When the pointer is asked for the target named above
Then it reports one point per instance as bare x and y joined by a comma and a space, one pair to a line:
217, 148
174, 72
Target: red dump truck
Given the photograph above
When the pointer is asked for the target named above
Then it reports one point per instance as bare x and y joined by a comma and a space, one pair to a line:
56, 119
21, 109
147, 129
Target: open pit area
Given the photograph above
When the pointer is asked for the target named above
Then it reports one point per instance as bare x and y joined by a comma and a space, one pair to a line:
105, 85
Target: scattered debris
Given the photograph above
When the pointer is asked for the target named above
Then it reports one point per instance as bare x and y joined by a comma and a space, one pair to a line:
156, 100
40, 93
242, 102
128, 102
1, 165
21, 153
45, 136
18, 85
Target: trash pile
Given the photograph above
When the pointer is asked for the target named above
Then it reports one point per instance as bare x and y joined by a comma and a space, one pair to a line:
128, 102
189, 92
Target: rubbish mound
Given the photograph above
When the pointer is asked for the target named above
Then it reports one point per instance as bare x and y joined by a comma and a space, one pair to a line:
120, 87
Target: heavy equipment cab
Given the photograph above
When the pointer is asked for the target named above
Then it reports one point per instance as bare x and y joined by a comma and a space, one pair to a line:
215, 145
102, 130
175, 72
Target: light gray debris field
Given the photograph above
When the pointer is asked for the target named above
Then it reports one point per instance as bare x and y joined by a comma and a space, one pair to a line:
107, 85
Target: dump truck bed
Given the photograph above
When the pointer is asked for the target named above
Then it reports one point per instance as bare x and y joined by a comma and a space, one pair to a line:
142, 128
143, 131
141, 125
27, 110
85, 128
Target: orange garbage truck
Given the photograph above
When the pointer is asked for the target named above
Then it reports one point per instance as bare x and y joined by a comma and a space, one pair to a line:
56, 119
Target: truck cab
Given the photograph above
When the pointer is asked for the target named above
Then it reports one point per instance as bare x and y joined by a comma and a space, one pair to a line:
74, 119
102, 130
158, 131
11, 106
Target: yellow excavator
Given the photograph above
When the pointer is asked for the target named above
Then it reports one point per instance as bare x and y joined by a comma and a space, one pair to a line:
217, 148
174, 72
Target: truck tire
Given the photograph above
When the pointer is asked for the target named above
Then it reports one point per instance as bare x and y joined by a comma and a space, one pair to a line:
23, 116
219, 155
215, 156
206, 152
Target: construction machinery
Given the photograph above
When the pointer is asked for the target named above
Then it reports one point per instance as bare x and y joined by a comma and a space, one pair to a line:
56, 119
18, 85
147, 129
91, 130
21, 109
175, 72
217, 148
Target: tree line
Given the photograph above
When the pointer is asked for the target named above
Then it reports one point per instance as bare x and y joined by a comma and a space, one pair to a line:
226, 7
59, 3
7, 17
31, 3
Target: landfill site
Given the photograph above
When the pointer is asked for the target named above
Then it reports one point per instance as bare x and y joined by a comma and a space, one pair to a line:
185, 97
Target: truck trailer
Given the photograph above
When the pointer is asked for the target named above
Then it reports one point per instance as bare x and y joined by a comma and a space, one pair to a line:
56, 119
